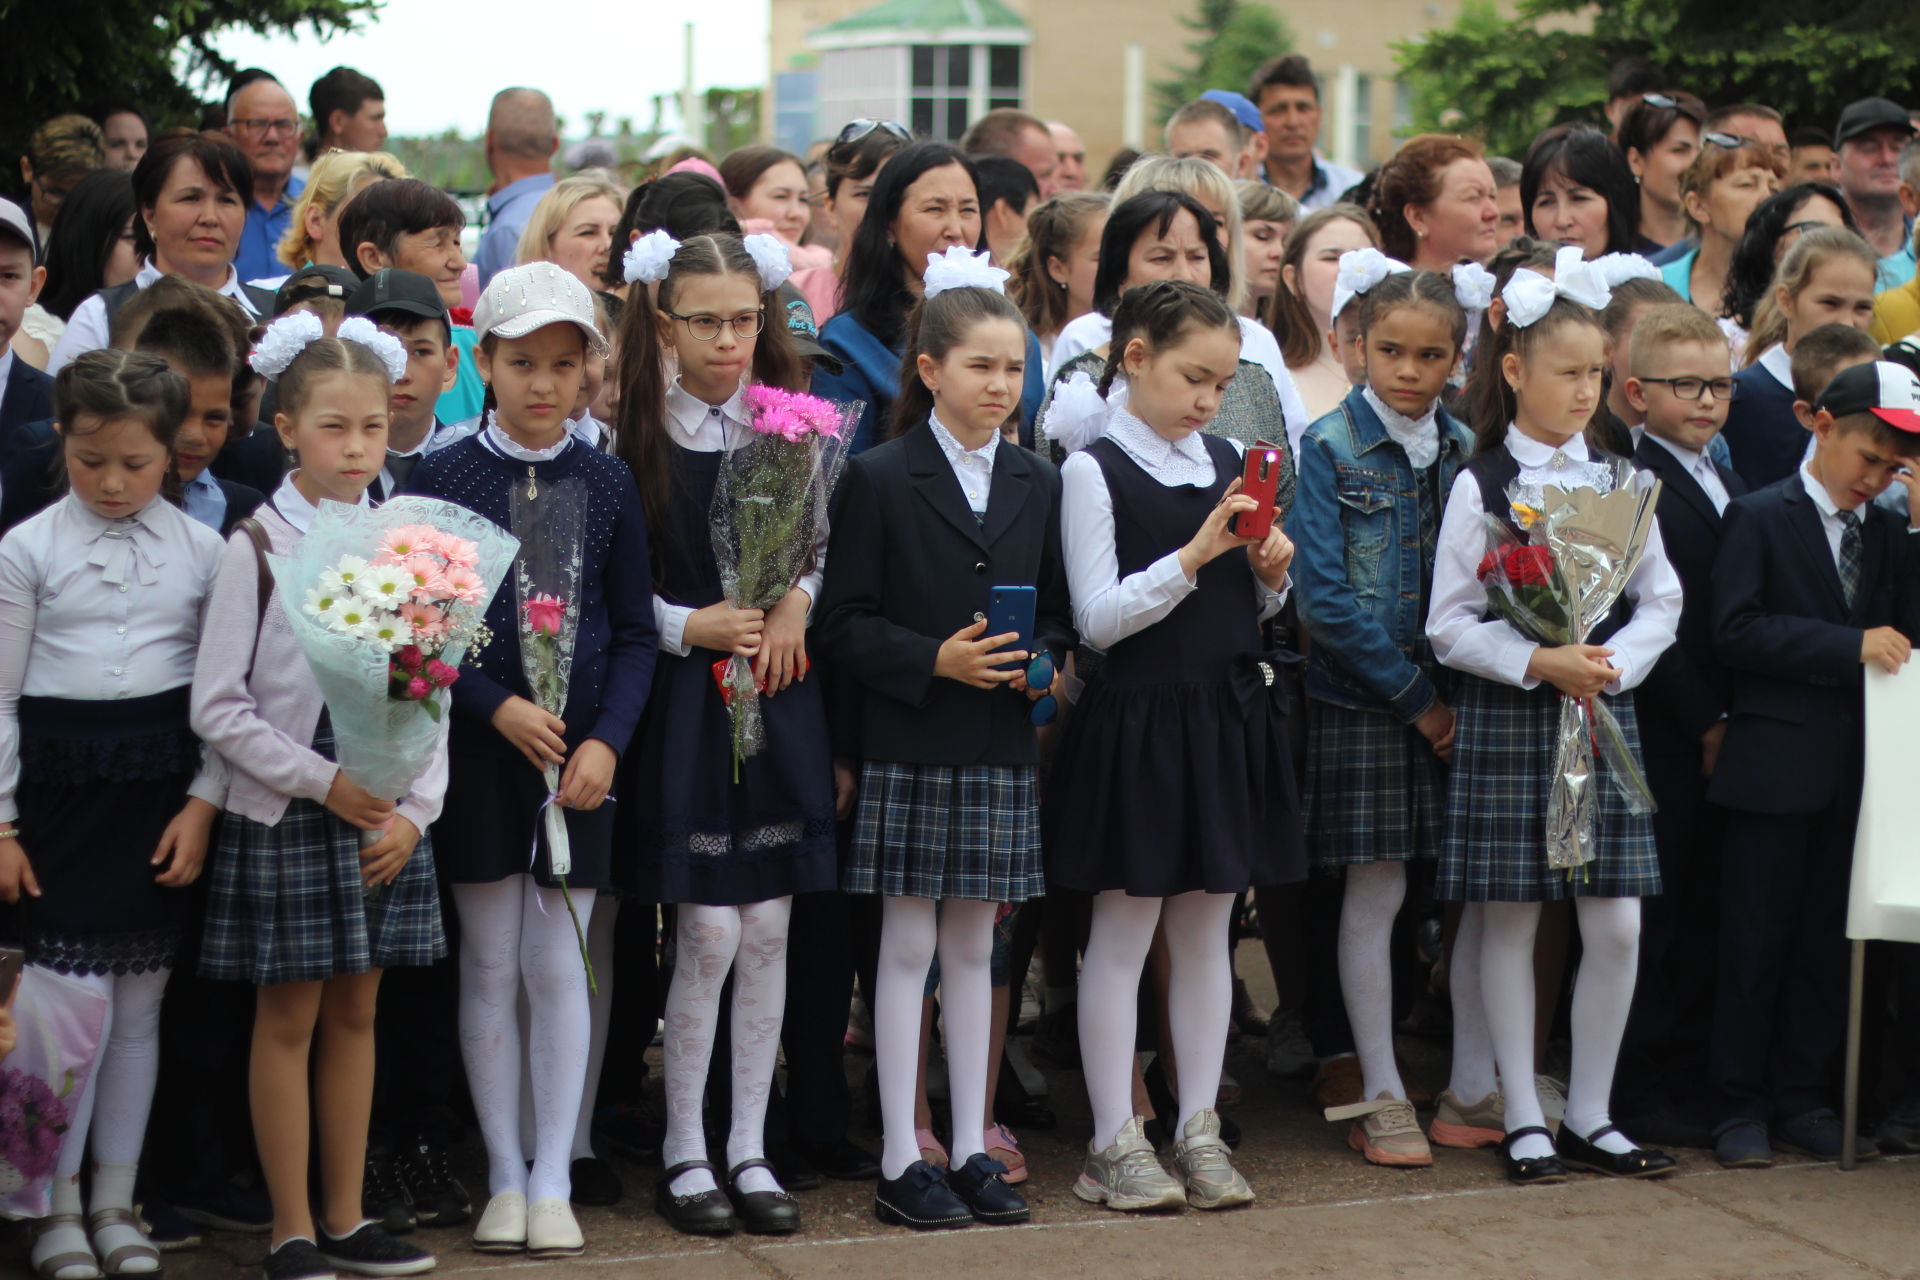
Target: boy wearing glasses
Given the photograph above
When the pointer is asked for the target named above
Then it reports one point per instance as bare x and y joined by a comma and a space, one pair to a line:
265, 125
1681, 380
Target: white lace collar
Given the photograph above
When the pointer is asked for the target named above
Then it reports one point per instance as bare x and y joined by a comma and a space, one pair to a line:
1420, 437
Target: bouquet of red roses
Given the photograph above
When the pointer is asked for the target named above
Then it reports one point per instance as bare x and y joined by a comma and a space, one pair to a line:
1582, 546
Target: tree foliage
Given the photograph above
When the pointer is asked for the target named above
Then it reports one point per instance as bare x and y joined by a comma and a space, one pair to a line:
73, 55
1506, 79
1231, 39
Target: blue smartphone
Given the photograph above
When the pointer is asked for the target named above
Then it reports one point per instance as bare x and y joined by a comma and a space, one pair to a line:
1010, 610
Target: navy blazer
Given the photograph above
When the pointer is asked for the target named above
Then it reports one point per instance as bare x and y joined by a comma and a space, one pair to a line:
1686, 692
1766, 439
1792, 646
908, 566
28, 398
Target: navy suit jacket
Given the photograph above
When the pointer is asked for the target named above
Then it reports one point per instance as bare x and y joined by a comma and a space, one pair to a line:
1686, 692
1782, 627
1766, 440
29, 397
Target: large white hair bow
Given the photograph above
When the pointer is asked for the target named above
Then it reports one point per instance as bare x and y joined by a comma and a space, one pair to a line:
1360, 270
1078, 414
769, 254
291, 334
1618, 268
647, 258
1529, 294
960, 268
1472, 286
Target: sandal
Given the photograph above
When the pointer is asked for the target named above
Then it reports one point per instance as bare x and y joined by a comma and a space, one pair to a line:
60, 1261
114, 1263
1001, 1145
930, 1149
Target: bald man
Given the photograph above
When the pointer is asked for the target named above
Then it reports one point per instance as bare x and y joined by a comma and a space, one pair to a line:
265, 125
521, 139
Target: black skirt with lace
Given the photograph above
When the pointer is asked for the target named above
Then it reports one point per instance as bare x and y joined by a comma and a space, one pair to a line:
99, 782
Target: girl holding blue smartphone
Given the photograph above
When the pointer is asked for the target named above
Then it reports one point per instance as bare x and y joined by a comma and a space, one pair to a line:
939, 706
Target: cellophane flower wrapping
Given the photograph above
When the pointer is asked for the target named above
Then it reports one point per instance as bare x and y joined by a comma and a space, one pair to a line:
769, 509
370, 591
1555, 588
61, 1024
549, 519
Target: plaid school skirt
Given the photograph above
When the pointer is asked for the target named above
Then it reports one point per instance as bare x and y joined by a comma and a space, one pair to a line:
1375, 790
1494, 848
947, 831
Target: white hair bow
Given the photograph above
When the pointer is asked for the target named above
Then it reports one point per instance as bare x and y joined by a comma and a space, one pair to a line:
960, 268
1618, 268
770, 255
1078, 414
1529, 294
288, 336
1360, 270
1472, 286
647, 258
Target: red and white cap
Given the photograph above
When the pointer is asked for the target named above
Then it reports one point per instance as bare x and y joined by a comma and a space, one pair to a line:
1889, 391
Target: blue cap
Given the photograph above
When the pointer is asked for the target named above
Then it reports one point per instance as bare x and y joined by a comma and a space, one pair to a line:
1238, 103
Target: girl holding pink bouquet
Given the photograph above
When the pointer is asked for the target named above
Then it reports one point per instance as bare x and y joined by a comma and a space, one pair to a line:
540, 718
298, 907
731, 848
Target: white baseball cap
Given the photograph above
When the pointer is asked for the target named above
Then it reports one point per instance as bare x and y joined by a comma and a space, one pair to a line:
521, 299
13, 217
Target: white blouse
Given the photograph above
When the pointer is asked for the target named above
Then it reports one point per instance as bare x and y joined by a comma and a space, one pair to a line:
700, 427
1491, 648
94, 609
1106, 607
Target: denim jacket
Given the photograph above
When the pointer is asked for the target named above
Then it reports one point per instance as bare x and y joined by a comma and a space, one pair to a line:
1357, 569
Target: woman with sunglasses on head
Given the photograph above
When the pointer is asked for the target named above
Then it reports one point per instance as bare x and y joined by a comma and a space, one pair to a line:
852, 166
1719, 190
1660, 136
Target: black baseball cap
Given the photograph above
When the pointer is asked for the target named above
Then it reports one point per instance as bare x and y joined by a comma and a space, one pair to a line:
310, 282
1888, 391
391, 289
1870, 113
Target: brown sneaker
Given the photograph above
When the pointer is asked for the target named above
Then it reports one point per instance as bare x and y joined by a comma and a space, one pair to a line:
1338, 1084
1386, 1132
1458, 1124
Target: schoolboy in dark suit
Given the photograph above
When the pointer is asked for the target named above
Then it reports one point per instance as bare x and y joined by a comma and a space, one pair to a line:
1681, 382
1812, 582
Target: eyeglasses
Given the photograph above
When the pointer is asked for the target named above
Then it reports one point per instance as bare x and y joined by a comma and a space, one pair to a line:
1040, 676
259, 125
706, 328
1660, 100
1795, 228
858, 129
1690, 388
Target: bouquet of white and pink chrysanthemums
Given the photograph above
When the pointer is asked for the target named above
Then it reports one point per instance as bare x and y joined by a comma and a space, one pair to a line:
390, 599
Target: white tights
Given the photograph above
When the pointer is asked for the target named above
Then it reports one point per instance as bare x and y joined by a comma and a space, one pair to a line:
515, 932
600, 1009
1474, 1075
1602, 994
751, 943
1199, 999
911, 930
1372, 899
113, 1109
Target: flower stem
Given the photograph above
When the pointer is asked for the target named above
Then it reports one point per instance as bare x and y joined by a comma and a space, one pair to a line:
579, 936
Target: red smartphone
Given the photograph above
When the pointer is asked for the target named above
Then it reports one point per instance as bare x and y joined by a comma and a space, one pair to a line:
1261, 481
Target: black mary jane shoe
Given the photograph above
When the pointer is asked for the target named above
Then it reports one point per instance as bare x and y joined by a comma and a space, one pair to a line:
1581, 1153
705, 1213
981, 1184
1532, 1170
764, 1213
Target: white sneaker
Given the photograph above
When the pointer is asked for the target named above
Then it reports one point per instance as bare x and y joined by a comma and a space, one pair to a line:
1290, 1055
1553, 1099
503, 1226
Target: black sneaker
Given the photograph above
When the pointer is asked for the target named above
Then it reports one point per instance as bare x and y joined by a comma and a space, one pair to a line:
383, 1195
370, 1251
297, 1259
437, 1197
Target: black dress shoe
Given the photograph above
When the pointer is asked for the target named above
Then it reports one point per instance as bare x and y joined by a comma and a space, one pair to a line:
705, 1213
795, 1171
1580, 1153
1531, 1170
595, 1184
982, 1185
920, 1198
841, 1159
765, 1213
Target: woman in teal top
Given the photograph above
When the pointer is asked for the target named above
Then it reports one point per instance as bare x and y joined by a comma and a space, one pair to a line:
1719, 191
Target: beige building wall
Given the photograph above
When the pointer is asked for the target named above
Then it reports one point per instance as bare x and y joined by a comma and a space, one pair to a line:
1077, 63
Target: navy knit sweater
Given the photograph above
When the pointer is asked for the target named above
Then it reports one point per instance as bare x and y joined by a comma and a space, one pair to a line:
614, 652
